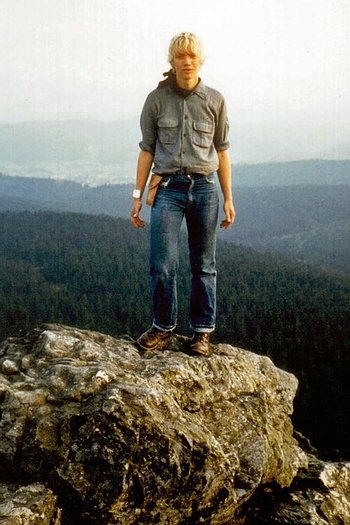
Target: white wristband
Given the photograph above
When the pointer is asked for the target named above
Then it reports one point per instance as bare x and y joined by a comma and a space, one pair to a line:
136, 194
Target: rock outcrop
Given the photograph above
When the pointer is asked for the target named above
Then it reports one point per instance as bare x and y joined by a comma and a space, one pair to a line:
105, 434
319, 495
32, 504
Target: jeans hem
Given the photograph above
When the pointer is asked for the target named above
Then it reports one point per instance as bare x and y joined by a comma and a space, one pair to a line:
202, 329
163, 328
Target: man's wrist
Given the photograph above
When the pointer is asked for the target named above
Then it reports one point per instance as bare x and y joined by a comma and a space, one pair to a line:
137, 194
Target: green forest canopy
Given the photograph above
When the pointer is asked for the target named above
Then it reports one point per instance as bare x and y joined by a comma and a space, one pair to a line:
92, 272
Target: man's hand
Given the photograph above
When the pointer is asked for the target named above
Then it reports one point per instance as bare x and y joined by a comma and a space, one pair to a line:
230, 213
135, 214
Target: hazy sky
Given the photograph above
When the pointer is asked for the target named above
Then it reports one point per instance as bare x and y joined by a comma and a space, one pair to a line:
282, 65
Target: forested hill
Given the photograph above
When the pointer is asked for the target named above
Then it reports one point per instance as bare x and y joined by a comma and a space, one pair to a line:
92, 272
308, 223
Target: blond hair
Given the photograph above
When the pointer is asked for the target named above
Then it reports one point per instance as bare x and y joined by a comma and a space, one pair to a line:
185, 43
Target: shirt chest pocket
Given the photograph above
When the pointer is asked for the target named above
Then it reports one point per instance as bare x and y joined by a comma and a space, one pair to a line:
202, 134
167, 130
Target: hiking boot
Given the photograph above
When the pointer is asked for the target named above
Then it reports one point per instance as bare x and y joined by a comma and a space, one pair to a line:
200, 343
151, 339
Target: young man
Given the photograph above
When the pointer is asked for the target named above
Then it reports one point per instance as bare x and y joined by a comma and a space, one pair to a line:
185, 137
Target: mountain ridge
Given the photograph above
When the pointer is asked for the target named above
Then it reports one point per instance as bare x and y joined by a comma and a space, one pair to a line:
275, 218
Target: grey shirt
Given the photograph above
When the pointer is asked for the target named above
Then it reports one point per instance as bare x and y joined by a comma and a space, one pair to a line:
184, 132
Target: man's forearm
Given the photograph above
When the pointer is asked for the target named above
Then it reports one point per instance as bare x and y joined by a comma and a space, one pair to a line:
224, 173
144, 165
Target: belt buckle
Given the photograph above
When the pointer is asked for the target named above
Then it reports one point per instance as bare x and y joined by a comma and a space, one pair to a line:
182, 171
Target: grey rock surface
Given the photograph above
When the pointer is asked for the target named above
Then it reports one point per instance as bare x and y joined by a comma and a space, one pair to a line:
319, 495
126, 437
32, 504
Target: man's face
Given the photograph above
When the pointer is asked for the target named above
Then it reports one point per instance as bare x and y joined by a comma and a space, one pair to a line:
186, 66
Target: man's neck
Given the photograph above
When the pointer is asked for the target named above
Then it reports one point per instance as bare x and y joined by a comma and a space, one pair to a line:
187, 84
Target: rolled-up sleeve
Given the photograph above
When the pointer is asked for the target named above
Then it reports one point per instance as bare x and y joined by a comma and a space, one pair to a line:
148, 125
221, 139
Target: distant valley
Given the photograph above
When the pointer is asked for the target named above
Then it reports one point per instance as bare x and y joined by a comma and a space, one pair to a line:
307, 220
100, 152
86, 151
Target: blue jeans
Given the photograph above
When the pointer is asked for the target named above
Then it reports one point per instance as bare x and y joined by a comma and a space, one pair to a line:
195, 198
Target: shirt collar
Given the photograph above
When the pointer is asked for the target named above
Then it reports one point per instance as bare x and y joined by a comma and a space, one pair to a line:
199, 90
